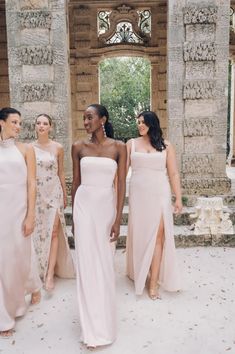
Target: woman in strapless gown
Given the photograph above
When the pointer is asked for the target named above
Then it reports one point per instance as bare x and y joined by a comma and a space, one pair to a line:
17, 213
97, 216
151, 255
50, 238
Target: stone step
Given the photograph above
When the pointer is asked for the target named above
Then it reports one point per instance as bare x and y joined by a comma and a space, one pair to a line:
184, 237
181, 219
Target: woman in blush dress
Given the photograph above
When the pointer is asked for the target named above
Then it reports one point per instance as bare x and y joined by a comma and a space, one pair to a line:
17, 214
151, 256
97, 216
50, 239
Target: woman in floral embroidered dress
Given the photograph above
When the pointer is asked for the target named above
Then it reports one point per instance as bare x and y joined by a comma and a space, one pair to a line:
50, 239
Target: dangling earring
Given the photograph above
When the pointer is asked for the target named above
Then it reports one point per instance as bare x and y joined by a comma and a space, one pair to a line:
104, 130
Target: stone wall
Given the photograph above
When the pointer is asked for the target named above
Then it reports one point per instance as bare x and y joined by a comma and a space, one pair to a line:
4, 80
38, 65
198, 45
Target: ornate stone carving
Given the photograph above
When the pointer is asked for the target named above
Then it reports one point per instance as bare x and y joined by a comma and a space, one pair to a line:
198, 127
197, 89
35, 19
37, 92
210, 186
198, 164
28, 130
200, 15
36, 55
198, 51
211, 218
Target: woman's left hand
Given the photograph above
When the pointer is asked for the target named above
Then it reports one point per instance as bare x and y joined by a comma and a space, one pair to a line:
28, 226
115, 231
178, 206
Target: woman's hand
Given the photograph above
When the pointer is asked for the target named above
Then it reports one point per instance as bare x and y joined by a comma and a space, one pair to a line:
178, 206
28, 226
115, 231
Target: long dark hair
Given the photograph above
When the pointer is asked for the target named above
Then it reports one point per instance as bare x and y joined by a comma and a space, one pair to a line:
155, 131
103, 112
6, 111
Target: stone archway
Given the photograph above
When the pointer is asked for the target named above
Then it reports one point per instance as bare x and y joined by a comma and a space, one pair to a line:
89, 45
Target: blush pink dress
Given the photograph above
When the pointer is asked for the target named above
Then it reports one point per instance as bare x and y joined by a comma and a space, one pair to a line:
18, 274
149, 200
94, 212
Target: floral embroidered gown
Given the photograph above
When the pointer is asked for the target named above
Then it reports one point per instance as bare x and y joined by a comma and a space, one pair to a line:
49, 202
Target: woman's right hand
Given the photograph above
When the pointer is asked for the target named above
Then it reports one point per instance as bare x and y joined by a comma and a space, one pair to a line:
28, 226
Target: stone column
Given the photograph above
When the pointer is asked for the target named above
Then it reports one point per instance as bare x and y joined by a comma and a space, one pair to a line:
38, 65
198, 45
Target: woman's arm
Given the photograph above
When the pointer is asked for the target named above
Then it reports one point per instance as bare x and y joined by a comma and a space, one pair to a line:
121, 189
128, 160
171, 164
61, 172
76, 147
29, 221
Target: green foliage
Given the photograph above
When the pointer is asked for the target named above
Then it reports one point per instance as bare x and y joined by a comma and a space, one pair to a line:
125, 91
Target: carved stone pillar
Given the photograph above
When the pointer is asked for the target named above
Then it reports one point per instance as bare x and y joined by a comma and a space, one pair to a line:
198, 43
38, 65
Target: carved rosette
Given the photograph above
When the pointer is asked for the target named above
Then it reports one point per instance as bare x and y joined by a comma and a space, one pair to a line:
193, 15
37, 92
199, 51
199, 89
36, 55
35, 19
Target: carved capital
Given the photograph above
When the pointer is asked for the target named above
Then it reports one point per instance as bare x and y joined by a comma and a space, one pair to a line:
37, 92
199, 89
36, 55
197, 14
198, 51
35, 19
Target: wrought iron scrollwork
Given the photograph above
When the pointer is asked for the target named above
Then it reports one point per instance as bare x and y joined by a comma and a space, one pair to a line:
124, 34
145, 21
103, 21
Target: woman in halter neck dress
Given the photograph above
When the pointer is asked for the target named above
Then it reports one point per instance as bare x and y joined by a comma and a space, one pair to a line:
151, 252
17, 214
50, 239
97, 216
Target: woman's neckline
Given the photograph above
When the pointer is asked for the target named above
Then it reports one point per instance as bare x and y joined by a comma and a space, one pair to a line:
99, 157
7, 142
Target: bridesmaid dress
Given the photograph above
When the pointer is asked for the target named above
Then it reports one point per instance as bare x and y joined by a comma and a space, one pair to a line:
17, 275
149, 200
94, 213
49, 202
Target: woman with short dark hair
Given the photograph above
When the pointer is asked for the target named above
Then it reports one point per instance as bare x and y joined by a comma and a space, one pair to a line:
151, 257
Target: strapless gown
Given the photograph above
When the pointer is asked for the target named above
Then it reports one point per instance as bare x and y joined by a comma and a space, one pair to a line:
149, 200
17, 270
94, 214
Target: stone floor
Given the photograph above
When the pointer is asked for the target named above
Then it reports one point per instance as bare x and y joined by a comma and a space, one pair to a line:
198, 320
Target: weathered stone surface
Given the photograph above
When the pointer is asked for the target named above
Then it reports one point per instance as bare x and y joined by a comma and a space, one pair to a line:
37, 37
199, 108
36, 55
205, 32
198, 164
197, 70
37, 92
41, 73
197, 89
198, 127
198, 51
197, 14
35, 19
33, 4
199, 144
206, 186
